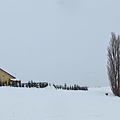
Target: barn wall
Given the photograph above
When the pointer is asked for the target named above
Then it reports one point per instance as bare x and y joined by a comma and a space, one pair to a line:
4, 77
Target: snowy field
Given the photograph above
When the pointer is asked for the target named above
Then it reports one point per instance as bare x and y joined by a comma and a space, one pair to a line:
51, 104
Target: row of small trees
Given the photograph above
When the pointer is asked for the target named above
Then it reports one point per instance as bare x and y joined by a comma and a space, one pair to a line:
36, 84
73, 87
29, 84
11, 84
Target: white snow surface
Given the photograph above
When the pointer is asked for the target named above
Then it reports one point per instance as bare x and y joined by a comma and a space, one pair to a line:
51, 104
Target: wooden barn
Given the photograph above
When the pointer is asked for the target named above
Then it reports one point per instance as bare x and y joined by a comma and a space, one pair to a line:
7, 78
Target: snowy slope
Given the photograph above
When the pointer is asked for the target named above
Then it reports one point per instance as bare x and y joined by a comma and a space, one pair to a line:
51, 104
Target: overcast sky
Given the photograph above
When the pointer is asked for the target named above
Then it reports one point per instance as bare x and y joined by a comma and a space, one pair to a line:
58, 40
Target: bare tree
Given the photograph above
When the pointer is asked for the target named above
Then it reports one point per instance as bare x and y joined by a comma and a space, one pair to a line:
113, 64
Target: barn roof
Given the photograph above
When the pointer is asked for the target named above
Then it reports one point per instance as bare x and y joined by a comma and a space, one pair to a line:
7, 73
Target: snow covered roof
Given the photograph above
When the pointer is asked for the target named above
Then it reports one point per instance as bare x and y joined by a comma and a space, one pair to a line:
14, 79
8, 73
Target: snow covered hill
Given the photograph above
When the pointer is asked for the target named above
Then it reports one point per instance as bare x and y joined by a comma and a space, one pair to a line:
51, 104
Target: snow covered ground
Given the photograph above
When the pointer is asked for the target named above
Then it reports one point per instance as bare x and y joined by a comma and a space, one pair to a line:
51, 104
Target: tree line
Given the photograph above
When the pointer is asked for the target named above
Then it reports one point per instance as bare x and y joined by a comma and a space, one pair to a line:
71, 87
28, 84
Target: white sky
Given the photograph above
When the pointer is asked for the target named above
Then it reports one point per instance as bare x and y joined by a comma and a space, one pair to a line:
57, 40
